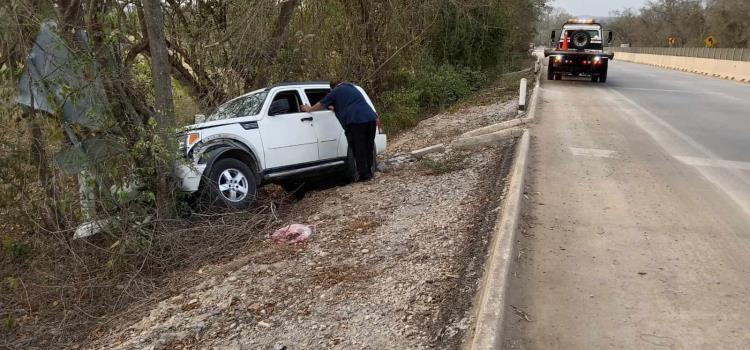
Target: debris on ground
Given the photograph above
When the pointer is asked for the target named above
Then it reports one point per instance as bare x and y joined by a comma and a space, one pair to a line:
520, 313
294, 233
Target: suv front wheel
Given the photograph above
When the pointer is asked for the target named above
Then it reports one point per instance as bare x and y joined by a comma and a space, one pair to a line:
232, 184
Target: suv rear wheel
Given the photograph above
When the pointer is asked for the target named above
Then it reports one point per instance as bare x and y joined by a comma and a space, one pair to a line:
232, 184
351, 174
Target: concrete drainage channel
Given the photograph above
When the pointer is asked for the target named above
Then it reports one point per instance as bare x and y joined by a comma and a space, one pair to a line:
486, 332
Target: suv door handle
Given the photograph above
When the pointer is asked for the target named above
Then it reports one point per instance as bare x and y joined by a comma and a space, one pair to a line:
308, 119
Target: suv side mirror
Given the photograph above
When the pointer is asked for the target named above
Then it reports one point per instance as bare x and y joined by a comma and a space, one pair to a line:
199, 118
609, 37
553, 37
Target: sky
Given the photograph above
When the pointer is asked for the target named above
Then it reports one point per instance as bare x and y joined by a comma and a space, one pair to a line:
600, 8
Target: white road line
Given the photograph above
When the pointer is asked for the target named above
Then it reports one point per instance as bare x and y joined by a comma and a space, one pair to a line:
592, 152
662, 90
714, 163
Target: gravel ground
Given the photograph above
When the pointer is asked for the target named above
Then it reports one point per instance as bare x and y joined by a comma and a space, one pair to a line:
447, 126
395, 263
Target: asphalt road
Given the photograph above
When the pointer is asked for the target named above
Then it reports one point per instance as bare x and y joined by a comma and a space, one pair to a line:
637, 220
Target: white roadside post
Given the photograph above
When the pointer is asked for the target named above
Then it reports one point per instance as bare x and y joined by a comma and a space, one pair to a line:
522, 96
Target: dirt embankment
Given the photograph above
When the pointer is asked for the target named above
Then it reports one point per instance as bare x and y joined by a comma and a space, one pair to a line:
395, 263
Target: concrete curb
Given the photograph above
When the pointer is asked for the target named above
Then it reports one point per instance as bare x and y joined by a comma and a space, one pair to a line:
531, 111
439, 148
487, 329
474, 142
496, 127
490, 314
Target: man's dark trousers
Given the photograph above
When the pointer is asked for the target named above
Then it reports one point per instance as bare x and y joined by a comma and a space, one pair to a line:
361, 138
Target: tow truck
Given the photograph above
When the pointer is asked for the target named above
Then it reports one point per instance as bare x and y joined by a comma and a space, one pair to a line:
578, 50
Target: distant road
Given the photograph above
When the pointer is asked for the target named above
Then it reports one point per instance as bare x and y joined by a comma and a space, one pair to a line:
638, 216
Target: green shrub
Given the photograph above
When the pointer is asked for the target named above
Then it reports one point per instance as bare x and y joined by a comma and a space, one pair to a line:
400, 109
17, 251
475, 78
441, 86
429, 90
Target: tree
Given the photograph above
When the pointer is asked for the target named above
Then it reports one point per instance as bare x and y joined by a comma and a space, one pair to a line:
164, 103
729, 22
688, 21
550, 19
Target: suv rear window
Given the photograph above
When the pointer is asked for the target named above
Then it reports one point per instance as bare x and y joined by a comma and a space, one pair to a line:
240, 107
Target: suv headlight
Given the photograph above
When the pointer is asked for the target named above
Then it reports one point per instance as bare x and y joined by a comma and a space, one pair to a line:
189, 140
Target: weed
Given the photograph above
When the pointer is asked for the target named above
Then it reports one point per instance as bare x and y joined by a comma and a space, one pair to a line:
9, 322
449, 162
11, 282
17, 251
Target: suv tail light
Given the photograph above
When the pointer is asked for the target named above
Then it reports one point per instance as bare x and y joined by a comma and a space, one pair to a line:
379, 125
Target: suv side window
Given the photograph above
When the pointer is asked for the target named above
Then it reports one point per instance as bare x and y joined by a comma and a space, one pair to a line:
315, 95
285, 102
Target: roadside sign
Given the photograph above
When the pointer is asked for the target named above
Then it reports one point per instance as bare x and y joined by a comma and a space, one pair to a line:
710, 41
671, 40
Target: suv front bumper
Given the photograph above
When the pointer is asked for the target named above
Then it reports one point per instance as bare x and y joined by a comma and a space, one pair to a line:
189, 176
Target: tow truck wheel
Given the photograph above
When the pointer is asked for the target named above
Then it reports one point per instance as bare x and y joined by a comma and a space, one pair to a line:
594, 79
558, 76
550, 71
580, 39
603, 75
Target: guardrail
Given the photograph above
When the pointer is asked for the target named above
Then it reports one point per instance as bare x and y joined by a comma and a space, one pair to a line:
732, 54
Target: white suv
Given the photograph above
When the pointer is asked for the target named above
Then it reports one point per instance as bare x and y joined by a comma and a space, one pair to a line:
264, 137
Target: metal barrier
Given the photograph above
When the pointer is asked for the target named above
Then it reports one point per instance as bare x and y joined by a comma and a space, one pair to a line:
732, 54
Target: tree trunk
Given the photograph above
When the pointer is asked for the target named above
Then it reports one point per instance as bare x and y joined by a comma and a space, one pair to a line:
280, 31
164, 104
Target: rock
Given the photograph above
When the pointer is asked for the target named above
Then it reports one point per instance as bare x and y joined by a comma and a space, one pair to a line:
264, 324
231, 279
365, 251
198, 327
255, 307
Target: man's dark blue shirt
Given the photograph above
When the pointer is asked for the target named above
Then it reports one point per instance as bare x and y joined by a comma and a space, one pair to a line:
350, 105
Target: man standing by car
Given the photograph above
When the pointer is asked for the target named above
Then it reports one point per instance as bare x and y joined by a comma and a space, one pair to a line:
358, 120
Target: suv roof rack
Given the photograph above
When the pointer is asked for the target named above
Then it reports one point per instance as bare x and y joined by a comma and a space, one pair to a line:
292, 83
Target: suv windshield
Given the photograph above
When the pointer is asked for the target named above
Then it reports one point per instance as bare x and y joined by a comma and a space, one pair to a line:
240, 107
